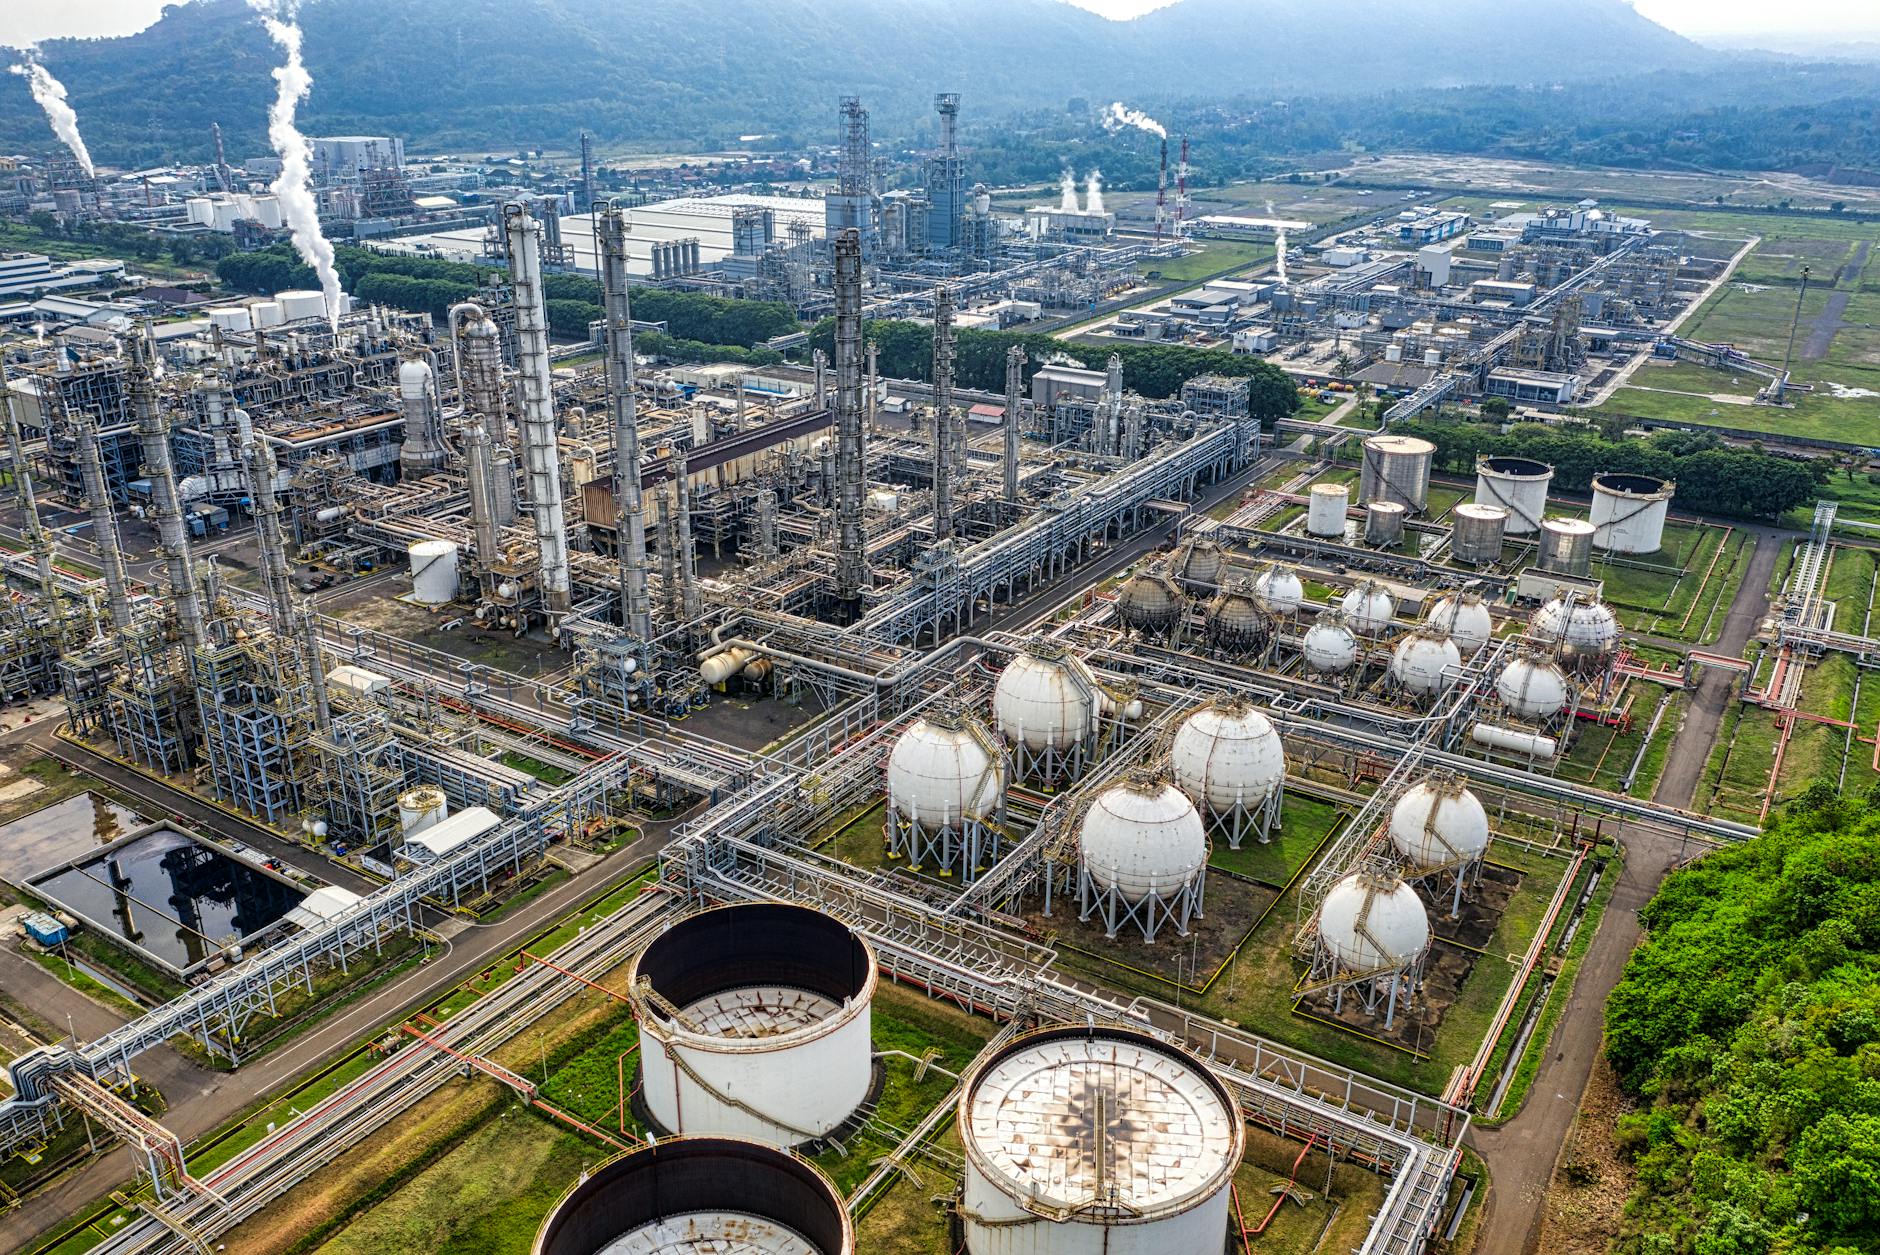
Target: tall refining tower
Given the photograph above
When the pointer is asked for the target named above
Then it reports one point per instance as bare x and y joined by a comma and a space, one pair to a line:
946, 178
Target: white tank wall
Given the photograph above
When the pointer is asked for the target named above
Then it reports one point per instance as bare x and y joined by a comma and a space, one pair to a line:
433, 571
1201, 1230
1626, 522
1523, 496
1325, 510
1039, 702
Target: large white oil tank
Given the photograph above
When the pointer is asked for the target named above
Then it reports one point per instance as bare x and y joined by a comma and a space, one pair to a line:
945, 768
224, 215
1517, 485
267, 211
231, 319
1227, 755
420, 808
1585, 632
1396, 468
1326, 505
1566, 547
265, 314
1329, 646
1143, 837
1044, 699
200, 210
1383, 524
1477, 533
1533, 686
1279, 590
1368, 608
694, 1195
1425, 662
1465, 619
1629, 512
1439, 822
755, 1022
301, 303
1371, 922
1096, 1141
433, 571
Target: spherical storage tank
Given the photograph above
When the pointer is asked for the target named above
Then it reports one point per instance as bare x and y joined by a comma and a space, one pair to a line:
1044, 700
760, 1027
1329, 646
1236, 620
1227, 755
1438, 822
433, 571
1566, 546
1425, 662
1325, 510
1585, 631
1533, 687
697, 1195
943, 769
1477, 534
1370, 922
1396, 468
1143, 836
1149, 602
1517, 485
1629, 512
1199, 561
1464, 619
1368, 608
1279, 589
1088, 1141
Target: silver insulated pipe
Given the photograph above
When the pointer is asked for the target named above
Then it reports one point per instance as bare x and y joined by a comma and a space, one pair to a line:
629, 506
541, 451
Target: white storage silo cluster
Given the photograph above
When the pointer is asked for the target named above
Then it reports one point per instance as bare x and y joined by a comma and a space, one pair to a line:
946, 795
1440, 830
1096, 1141
1230, 761
755, 1023
1629, 512
1372, 937
1326, 505
1142, 853
1517, 485
1046, 705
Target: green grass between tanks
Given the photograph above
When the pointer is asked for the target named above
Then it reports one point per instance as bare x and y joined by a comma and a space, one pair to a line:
1601, 754
1736, 775
1675, 600
1305, 822
547, 773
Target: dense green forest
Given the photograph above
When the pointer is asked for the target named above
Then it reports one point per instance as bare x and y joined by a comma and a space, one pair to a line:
1748, 1027
1712, 477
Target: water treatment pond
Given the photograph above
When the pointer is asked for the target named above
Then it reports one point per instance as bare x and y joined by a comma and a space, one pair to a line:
60, 833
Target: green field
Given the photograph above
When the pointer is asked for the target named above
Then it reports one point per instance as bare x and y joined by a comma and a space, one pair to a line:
1214, 257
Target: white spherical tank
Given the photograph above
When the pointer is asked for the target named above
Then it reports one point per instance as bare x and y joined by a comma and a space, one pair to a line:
1517, 485
1157, 1181
1143, 836
420, 808
1438, 822
1585, 631
1326, 505
1368, 608
1279, 589
943, 769
1227, 755
1425, 662
1464, 618
1372, 922
771, 1036
433, 571
1533, 687
1329, 646
1044, 699
1629, 512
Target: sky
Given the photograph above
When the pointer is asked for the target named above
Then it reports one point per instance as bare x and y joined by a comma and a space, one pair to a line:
25, 21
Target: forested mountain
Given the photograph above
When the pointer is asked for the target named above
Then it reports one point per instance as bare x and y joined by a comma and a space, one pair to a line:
468, 74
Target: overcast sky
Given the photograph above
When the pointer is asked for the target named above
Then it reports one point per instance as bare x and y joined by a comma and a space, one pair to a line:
24, 21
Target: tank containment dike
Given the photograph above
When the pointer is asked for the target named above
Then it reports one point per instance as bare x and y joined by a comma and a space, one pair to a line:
1096, 1141
1629, 512
700, 1194
1517, 485
754, 1022
1325, 510
1396, 468
1477, 533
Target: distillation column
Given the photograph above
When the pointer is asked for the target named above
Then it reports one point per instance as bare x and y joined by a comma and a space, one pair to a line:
630, 508
851, 552
153, 440
1014, 396
541, 451
103, 523
294, 620
942, 413
682, 536
32, 530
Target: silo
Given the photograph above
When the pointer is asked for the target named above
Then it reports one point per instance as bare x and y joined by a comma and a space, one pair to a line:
1396, 468
1465, 619
698, 1194
433, 571
1229, 759
1096, 1141
946, 794
1142, 855
1279, 590
1046, 705
1425, 662
1383, 524
1371, 940
754, 1022
1476, 538
1368, 608
1236, 621
1566, 547
1517, 485
1325, 510
1149, 602
1629, 512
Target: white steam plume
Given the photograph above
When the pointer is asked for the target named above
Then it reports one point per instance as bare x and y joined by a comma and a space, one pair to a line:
1067, 191
1120, 115
1279, 246
293, 187
50, 93
1093, 192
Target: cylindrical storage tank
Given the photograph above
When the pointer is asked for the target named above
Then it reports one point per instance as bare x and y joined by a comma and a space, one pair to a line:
1464, 619
231, 318
1329, 646
1425, 662
943, 769
1141, 837
1368, 608
692, 1195
1432, 357
1383, 524
1279, 590
1199, 562
1371, 922
726, 663
1393, 352
1439, 822
1517, 485
1396, 468
200, 210
1236, 620
1227, 755
1041, 701
771, 1036
1149, 602
1566, 547
265, 314
1629, 512
433, 571
1096, 1141
301, 303
421, 807
1494, 736
1325, 510
1585, 633
1533, 687
1477, 534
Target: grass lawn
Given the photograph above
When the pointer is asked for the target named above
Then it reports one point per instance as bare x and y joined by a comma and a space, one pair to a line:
1212, 258
1674, 592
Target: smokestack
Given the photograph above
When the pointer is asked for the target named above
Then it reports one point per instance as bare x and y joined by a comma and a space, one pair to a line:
942, 413
540, 450
153, 439
629, 507
1014, 394
1161, 194
851, 556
